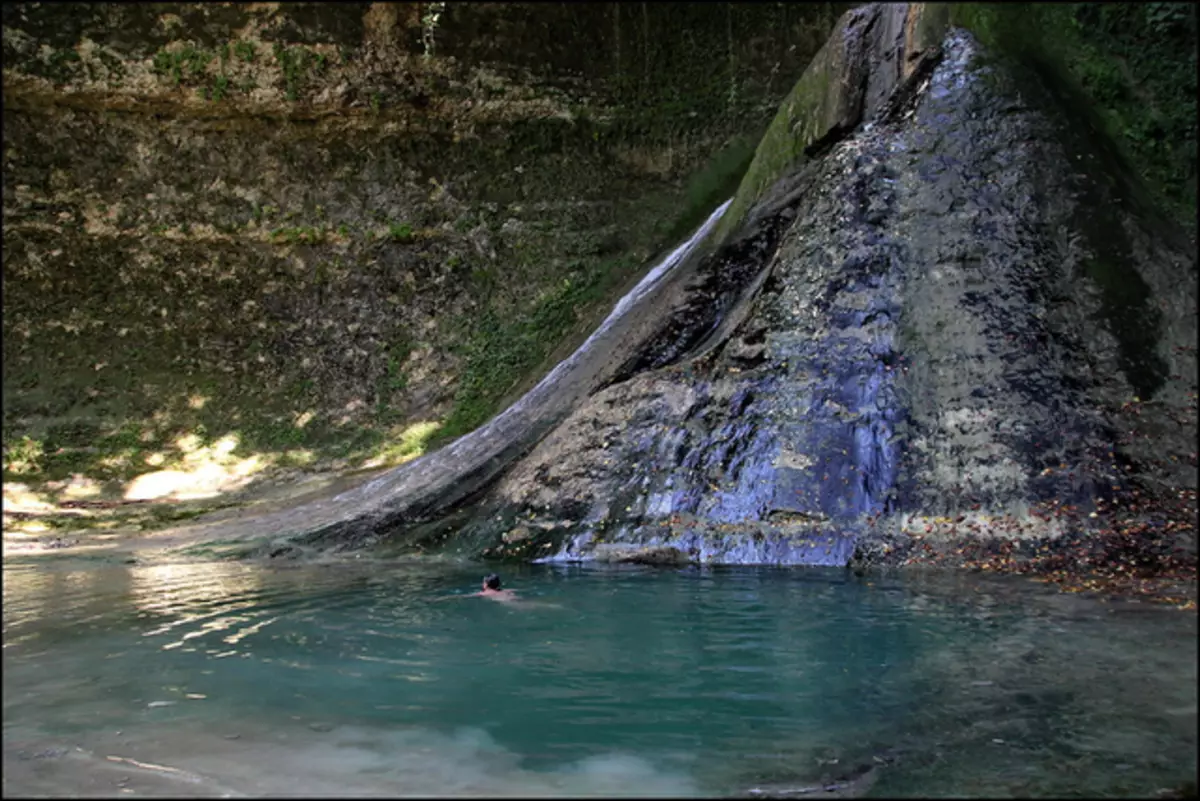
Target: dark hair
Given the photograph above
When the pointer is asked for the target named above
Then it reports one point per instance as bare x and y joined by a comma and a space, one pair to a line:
491, 581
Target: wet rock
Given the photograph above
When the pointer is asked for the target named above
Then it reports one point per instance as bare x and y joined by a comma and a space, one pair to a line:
1185, 790
516, 535
853, 783
918, 354
651, 556
46, 753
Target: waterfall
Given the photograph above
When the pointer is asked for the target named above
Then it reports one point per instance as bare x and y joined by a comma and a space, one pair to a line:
482, 453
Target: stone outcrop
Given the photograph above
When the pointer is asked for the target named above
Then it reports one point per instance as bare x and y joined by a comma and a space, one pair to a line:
308, 224
936, 312
965, 302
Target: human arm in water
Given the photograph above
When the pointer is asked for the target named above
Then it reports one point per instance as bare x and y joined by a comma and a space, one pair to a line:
492, 590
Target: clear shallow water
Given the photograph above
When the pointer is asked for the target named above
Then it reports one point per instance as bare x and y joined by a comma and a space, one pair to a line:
229, 678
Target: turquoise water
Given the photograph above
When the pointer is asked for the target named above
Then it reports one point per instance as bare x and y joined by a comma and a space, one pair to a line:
369, 678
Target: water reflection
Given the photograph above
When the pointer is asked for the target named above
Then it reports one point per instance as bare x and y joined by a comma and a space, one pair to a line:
702, 680
85, 596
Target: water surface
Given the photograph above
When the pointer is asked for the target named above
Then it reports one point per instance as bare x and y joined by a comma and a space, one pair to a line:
371, 678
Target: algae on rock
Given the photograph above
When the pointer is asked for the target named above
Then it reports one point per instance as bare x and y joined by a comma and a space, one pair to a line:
929, 358
295, 224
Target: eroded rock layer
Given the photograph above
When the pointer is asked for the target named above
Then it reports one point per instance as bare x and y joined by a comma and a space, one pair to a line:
965, 300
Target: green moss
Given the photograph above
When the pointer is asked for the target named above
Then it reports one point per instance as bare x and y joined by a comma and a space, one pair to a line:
309, 235
1135, 63
298, 65
803, 117
182, 65
245, 51
715, 182
400, 232
502, 349
220, 88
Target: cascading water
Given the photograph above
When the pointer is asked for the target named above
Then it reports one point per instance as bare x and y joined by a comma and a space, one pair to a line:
915, 369
548, 393
426, 488
772, 446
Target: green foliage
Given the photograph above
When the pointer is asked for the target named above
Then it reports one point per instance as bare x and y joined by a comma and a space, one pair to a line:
220, 87
396, 379
245, 51
713, 183
503, 348
1134, 62
782, 146
184, 64
23, 457
411, 443
297, 63
61, 63
400, 232
299, 235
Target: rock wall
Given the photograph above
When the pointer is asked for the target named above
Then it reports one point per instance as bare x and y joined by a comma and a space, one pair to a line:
962, 327
314, 226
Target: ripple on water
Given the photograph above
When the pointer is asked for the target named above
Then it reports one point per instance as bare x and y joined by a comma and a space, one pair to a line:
368, 679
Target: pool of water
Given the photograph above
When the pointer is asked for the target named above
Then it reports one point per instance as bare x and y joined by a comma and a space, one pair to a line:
376, 678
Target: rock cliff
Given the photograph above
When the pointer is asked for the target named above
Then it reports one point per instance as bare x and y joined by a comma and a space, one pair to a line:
962, 327
940, 320
326, 231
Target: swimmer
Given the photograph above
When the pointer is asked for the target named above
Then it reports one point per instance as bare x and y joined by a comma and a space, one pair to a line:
491, 589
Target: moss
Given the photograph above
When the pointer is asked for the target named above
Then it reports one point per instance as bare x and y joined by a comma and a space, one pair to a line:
310, 235
400, 232
804, 116
182, 65
220, 88
1135, 63
245, 51
501, 350
299, 65
61, 66
713, 184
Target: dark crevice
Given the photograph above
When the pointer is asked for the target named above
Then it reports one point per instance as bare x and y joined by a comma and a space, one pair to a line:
716, 287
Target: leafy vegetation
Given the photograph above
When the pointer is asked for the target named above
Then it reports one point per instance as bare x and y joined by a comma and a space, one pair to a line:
1134, 62
503, 349
711, 185
61, 62
183, 63
298, 64
310, 235
245, 51
400, 232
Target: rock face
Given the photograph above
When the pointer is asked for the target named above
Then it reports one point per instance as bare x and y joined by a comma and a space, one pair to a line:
958, 299
361, 216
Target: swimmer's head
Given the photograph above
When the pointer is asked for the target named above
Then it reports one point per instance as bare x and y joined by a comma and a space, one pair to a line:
491, 582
